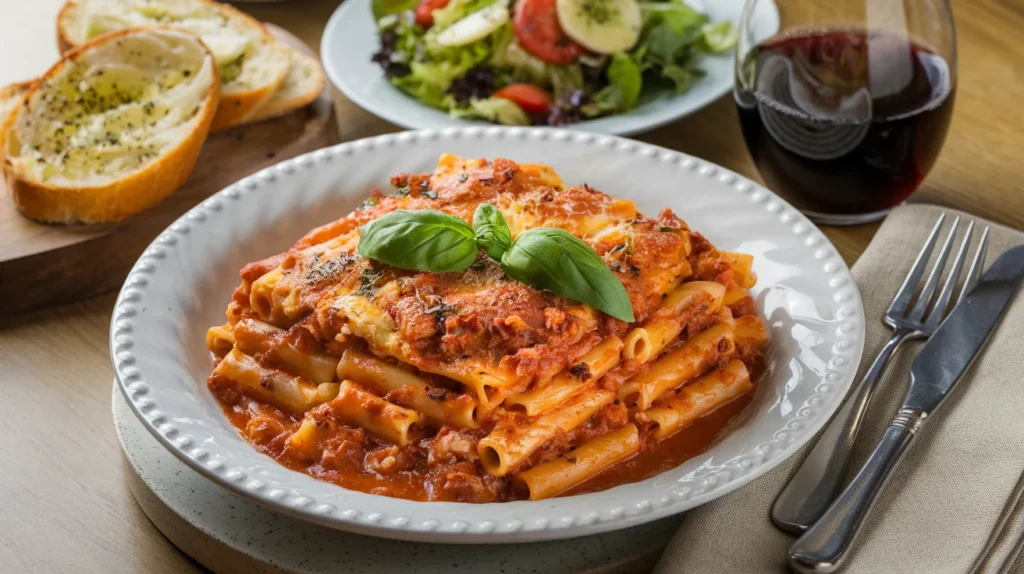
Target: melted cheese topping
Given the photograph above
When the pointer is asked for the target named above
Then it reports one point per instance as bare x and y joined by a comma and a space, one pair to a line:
113, 109
462, 324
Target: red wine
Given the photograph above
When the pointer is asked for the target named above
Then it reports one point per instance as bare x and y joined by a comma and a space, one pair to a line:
844, 123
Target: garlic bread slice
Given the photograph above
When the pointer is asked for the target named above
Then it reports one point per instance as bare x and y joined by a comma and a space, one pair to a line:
251, 62
113, 128
303, 84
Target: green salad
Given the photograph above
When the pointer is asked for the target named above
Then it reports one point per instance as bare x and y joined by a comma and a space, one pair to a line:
548, 62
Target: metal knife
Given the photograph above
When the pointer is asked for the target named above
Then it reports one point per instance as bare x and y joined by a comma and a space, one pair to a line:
936, 370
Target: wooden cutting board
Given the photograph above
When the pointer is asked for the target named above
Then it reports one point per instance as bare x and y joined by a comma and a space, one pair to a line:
45, 265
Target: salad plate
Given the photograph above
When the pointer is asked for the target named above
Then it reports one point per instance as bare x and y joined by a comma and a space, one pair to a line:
804, 292
351, 40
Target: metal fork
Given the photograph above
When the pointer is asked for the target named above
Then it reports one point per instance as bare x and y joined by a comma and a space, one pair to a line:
816, 483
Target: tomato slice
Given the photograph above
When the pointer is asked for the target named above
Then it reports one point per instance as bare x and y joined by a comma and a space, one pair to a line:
423, 11
535, 23
532, 99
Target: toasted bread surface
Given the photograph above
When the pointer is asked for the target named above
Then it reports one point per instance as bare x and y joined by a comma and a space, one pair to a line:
251, 62
112, 128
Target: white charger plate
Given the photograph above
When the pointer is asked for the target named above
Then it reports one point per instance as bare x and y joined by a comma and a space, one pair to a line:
350, 39
183, 281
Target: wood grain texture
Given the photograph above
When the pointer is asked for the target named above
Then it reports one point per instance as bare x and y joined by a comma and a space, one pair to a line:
66, 504
66, 507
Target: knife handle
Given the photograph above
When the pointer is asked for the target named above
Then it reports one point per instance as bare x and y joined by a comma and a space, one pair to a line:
814, 486
825, 545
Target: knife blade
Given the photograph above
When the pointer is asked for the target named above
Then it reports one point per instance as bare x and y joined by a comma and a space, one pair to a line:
957, 342
936, 370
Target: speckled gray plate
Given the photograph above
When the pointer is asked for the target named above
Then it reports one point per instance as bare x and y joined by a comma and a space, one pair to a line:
226, 533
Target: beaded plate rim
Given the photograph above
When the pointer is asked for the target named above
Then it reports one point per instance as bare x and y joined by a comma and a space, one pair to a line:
468, 523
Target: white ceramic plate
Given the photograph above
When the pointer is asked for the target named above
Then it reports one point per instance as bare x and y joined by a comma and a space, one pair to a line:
350, 39
183, 281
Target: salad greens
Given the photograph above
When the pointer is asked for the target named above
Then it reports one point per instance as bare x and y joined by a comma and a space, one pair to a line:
461, 79
496, 110
625, 80
457, 10
423, 68
382, 8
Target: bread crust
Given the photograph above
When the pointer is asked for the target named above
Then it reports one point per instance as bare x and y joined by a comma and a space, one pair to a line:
16, 87
238, 108
64, 44
124, 196
21, 90
276, 108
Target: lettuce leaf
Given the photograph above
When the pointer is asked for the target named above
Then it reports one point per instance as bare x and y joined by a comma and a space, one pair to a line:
717, 38
382, 8
457, 10
673, 35
497, 110
677, 15
624, 74
432, 67
429, 81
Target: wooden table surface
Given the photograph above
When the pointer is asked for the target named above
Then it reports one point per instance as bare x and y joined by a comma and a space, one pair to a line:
63, 499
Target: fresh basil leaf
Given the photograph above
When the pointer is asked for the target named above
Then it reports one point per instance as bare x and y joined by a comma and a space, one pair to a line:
556, 260
625, 74
492, 232
425, 240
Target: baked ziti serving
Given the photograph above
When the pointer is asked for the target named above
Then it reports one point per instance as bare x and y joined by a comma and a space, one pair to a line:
485, 333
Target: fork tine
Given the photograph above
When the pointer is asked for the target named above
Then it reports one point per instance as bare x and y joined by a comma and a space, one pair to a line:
924, 299
974, 273
906, 292
938, 311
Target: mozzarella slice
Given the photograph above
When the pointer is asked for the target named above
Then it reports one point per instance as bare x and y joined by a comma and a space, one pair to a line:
476, 26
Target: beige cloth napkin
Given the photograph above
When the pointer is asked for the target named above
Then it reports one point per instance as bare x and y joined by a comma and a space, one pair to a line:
955, 488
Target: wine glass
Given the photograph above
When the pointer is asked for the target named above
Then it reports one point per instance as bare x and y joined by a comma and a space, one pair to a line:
845, 104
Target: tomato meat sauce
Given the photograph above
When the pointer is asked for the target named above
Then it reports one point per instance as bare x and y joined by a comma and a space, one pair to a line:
445, 467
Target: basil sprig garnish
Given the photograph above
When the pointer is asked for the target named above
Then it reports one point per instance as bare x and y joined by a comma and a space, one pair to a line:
543, 258
425, 240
